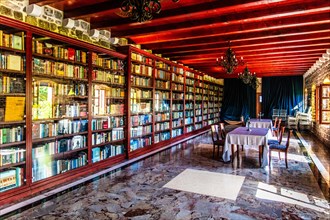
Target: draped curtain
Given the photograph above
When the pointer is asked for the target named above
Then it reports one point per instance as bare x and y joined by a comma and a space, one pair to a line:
282, 93
239, 99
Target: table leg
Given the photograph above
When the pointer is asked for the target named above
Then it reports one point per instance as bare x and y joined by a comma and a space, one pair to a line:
232, 153
260, 153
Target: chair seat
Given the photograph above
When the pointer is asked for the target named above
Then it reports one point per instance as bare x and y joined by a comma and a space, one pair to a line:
273, 142
277, 147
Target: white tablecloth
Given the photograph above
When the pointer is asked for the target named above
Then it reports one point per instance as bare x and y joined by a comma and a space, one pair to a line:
261, 123
254, 137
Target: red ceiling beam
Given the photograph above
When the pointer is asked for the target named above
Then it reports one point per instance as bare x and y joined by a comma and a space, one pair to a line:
225, 18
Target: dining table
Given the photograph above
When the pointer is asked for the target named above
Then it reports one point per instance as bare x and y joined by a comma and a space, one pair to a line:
261, 123
243, 136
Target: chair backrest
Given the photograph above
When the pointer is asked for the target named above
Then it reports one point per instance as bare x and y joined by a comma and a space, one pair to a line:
288, 139
222, 130
275, 122
279, 124
281, 134
215, 132
242, 120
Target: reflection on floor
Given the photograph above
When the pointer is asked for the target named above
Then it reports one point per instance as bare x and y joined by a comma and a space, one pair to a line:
138, 192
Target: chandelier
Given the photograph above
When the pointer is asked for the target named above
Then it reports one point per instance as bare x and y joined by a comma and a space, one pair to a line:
141, 10
249, 78
229, 62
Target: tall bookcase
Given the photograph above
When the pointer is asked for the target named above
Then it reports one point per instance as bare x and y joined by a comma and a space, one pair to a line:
69, 108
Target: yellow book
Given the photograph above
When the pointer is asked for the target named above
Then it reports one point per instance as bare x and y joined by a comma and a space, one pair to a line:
14, 62
15, 108
1, 36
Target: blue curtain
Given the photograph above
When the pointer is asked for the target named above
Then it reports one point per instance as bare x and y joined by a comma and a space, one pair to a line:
239, 99
282, 93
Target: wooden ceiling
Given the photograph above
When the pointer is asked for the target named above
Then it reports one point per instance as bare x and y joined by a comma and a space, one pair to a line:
275, 37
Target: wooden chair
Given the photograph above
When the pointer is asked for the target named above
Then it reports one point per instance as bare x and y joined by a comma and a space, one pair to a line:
217, 138
279, 139
280, 148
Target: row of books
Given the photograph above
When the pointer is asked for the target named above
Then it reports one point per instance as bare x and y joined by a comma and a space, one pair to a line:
59, 51
72, 89
198, 126
141, 58
177, 107
11, 84
104, 137
189, 97
162, 84
189, 105
162, 136
189, 74
162, 116
188, 121
12, 62
12, 134
162, 105
62, 127
74, 109
113, 108
139, 93
101, 153
11, 178
162, 95
177, 123
160, 64
190, 82
177, 70
141, 107
140, 143
176, 115
107, 76
198, 90
11, 156
177, 95
141, 70
141, 119
140, 81
189, 89
161, 74
198, 119
177, 78
12, 40
190, 128
198, 112
108, 122
177, 87
140, 130
162, 126
177, 132
189, 114
59, 146
107, 62
46, 167
50, 67
198, 97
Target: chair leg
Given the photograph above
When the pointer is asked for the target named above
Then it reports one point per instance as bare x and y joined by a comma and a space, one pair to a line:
213, 150
270, 157
218, 150
286, 160
242, 147
260, 153
279, 155
232, 153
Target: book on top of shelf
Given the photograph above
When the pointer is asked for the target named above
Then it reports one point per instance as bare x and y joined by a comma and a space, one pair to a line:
15, 108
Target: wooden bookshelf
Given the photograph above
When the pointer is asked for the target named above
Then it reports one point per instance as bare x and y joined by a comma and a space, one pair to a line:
96, 102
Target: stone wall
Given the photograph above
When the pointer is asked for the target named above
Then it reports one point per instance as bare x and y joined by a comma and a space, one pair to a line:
316, 78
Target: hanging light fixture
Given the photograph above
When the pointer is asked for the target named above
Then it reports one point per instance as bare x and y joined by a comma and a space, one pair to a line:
141, 10
249, 78
229, 62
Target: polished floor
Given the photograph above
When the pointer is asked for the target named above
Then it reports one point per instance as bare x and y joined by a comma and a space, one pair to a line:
180, 183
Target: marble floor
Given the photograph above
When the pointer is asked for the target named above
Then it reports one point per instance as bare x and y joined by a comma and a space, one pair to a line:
137, 191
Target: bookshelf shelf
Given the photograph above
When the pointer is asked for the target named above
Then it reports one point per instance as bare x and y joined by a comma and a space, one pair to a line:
142, 87
8, 71
12, 144
109, 142
50, 57
7, 166
9, 49
141, 136
51, 76
54, 138
58, 119
160, 131
12, 94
